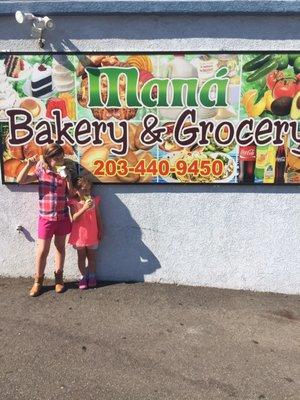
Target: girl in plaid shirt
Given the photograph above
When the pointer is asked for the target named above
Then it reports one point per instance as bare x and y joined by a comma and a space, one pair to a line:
54, 217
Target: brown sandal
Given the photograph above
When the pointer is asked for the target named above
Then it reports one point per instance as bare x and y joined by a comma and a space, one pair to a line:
59, 282
37, 286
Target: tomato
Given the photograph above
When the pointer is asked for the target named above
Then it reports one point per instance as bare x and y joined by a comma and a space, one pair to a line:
273, 77
284, 88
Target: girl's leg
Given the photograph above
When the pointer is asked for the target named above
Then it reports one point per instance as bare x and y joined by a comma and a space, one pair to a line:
40, 264
60, 252
91, 256
81, 253
83, 282
41, 256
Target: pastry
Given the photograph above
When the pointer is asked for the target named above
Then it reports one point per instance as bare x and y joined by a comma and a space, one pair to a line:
70, 104
41, 80
103, 113
140, 62
32, 106
8, 97
63, 79
14, 65
31, 149
99, 60
12, 167
15, 151
90, 157
56, 104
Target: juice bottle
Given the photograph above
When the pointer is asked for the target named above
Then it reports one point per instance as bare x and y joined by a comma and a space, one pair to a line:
269, 172
261, 160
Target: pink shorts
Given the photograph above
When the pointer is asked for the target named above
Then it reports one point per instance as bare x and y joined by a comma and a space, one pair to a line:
46, 228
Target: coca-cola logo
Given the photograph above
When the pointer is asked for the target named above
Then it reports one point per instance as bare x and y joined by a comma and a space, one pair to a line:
247, 153
280, 159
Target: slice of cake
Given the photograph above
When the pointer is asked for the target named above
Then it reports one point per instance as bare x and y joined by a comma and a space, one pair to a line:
41, 80
63, 78
14, 65
8, 96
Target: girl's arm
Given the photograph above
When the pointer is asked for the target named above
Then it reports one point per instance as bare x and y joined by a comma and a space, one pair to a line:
75, 215
23, 176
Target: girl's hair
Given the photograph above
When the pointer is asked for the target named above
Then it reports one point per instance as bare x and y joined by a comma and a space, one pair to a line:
52, 150
81, 180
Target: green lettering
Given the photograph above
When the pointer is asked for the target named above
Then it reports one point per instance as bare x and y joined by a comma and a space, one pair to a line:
184, 89
113, 75
161, 86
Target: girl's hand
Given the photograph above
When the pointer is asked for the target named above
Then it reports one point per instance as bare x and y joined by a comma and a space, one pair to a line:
32, 160
88, 204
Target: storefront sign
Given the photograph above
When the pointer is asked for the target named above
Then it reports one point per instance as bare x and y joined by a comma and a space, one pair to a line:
155, 118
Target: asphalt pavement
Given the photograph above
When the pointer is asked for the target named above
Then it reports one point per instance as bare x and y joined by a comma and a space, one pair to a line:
141, 341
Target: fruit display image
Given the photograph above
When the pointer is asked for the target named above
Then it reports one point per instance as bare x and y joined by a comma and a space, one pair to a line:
154, 118
271, 85
271, 89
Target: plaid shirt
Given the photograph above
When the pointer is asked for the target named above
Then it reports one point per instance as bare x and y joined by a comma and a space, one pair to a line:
52, 194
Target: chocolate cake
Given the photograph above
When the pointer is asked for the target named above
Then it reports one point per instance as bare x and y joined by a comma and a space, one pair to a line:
13, 66
41, 80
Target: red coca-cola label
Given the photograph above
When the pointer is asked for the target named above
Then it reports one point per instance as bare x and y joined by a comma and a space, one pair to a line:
247, 153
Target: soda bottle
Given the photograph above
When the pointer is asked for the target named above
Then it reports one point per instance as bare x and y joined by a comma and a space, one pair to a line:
280, 165
247, 155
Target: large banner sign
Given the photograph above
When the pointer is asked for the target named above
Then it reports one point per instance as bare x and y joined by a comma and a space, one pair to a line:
155, 118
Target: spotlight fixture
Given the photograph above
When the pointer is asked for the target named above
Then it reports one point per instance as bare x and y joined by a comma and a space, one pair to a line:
38, 25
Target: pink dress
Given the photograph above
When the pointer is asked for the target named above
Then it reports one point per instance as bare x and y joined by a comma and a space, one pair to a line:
85, 228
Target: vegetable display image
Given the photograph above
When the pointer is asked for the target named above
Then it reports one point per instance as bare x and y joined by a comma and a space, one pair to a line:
132, 118
271, 89
271, 83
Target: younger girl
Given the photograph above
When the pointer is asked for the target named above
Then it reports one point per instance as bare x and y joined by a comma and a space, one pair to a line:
86, 230
53, 215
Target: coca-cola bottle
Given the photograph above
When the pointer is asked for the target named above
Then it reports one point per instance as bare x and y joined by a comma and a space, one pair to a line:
247, 155
280, 165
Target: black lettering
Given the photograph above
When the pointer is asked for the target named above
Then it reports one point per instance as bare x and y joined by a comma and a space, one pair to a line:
44, 135
295, 138
224, 137
206, 127
99, 127
191, 131
83, 127
260, 130
150, 134
281, 128
62, 131
123, 139
247, 139
15, 125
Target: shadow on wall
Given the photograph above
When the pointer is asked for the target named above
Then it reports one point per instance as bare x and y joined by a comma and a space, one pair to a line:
156, 27
122, 255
